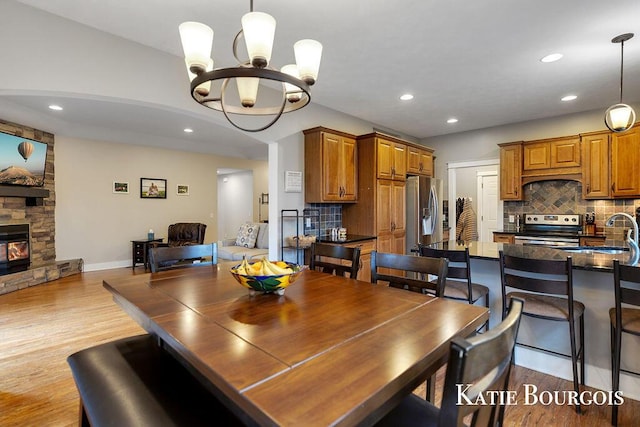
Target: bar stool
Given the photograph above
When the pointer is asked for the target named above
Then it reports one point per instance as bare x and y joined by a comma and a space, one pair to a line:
458, 285
548, 294
628, 318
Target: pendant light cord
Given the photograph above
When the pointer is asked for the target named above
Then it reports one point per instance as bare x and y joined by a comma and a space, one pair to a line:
621, 65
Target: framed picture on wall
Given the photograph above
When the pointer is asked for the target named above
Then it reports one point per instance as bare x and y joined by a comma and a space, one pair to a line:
153, 188
120, 187
182, 190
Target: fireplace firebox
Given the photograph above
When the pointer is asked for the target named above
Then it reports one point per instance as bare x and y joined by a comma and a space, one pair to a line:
15, 254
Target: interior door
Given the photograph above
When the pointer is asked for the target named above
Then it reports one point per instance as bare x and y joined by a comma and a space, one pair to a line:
488, 201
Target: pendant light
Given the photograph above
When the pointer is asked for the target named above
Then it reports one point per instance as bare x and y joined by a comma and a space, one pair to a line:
620, 117
209, 86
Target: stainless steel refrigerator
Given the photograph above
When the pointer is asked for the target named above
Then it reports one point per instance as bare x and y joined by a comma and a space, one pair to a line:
424, 211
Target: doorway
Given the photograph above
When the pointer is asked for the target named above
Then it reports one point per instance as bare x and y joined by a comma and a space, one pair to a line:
235, 201
463, 181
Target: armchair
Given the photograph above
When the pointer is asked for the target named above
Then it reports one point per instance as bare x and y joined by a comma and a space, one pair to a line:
185, 233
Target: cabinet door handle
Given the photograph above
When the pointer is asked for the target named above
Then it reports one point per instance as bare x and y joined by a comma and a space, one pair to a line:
588, 189
613, 186
421, 167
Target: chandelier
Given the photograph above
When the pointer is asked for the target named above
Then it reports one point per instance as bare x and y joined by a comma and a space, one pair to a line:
620, 117
211, 87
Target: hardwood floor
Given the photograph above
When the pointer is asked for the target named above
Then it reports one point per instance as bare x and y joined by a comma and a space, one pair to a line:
42, 325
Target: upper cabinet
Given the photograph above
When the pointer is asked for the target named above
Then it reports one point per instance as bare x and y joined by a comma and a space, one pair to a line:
606, 163
330, 166
557, 156
511, 171
595, 167
391, 157
625, 166
419, 161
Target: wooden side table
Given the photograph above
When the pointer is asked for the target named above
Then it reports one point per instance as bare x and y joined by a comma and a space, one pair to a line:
140, 252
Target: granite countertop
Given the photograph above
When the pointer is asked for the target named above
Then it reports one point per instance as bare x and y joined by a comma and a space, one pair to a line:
351, 238
585, 261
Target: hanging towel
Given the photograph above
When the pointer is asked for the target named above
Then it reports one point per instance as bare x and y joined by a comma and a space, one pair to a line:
466, 227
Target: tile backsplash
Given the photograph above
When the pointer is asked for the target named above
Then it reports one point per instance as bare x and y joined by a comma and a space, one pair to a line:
330, 217
565, 197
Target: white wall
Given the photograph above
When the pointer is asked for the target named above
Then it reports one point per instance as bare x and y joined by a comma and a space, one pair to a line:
94, 224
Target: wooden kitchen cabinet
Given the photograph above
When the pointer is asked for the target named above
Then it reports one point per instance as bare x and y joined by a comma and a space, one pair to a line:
625, 166
592, 241
595, 166
391, 216
331, 173
381, 207
511, 171
391, 157
419, 161
504, 238
550, 154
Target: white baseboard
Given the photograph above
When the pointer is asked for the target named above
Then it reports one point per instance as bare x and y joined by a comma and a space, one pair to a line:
107, 265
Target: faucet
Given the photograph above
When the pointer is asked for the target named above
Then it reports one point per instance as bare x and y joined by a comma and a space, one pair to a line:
634, 256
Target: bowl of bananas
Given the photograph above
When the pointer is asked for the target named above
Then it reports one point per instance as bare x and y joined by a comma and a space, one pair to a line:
266, 276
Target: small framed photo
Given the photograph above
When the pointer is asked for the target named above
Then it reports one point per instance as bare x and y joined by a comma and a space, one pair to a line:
120, 187
182, 190
153, 188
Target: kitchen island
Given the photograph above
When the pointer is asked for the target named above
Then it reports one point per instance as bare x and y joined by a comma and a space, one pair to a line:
593, 286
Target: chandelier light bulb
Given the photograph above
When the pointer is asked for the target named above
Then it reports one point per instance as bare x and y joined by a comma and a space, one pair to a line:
293, 92
308, 54
248, 90
259, 29
197, 40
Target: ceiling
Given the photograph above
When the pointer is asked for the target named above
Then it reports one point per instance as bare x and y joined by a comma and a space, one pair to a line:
477, 61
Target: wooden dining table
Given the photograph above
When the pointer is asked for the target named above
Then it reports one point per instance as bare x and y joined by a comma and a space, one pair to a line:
330, 351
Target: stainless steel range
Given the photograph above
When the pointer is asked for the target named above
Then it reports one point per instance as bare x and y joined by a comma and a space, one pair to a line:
550, 230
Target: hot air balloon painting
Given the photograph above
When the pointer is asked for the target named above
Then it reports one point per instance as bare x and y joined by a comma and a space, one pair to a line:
22, 161
25, 148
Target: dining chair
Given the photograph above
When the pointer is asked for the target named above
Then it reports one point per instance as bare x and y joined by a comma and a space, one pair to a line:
335, 259
408, 264
458, 285
164, 258
628, 319
546, 287
482, 364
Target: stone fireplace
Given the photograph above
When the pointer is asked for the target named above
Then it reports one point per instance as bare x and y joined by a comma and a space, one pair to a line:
35, 207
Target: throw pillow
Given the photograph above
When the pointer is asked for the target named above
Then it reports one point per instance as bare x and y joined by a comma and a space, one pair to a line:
247, 235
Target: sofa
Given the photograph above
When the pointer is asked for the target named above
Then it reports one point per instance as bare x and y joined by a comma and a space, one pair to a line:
252, 242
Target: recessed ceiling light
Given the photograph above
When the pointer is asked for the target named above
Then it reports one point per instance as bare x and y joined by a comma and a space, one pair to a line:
568, 98
188, 130
406, 97
55, 107
452, 120
552, 58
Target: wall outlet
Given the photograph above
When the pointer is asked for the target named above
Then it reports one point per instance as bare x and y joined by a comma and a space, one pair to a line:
512, 219
308, 222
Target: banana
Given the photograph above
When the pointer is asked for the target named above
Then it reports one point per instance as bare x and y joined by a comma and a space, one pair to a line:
276, 269
242, 268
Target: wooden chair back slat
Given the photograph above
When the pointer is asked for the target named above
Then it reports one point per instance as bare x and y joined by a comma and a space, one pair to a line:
163, 258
